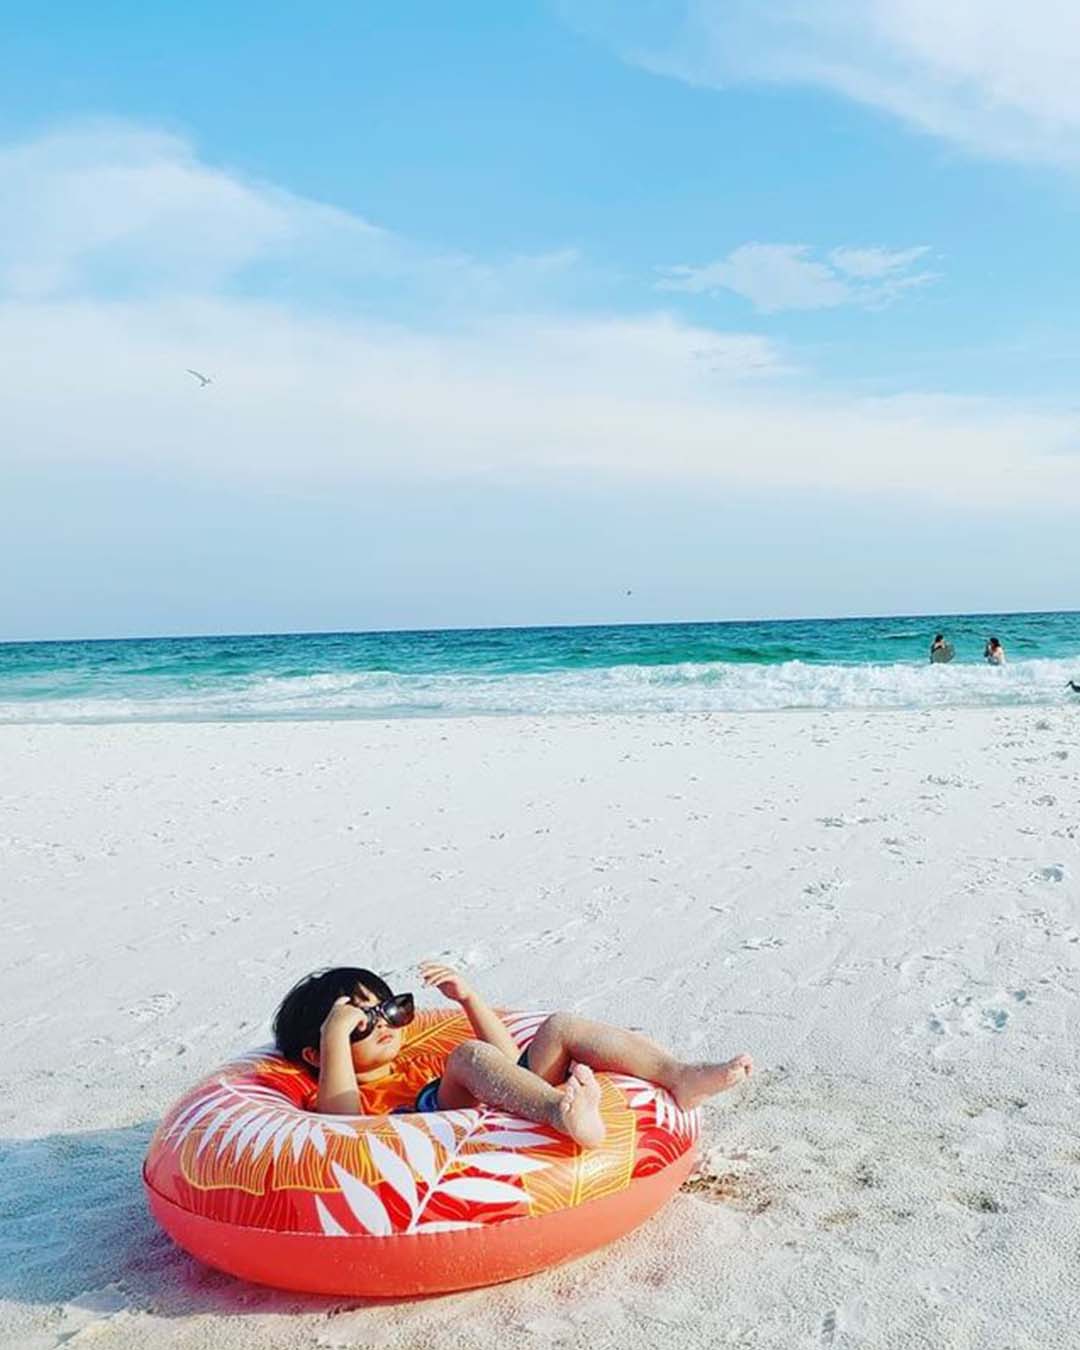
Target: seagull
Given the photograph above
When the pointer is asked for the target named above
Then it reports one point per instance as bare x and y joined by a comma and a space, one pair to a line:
204, 380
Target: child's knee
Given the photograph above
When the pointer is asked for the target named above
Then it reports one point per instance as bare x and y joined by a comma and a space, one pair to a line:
561, 1026
468, 1055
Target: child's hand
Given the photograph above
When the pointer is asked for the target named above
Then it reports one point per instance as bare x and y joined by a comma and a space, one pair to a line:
343, 1018
446, 980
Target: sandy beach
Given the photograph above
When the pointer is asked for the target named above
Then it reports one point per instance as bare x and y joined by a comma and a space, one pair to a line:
880, 907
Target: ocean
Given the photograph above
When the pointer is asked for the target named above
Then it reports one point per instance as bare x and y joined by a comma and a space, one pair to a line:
685, 667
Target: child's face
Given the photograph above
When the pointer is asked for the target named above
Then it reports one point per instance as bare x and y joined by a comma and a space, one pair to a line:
382, 1046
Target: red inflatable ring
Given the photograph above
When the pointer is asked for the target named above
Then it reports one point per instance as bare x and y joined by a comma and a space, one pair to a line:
238, 1175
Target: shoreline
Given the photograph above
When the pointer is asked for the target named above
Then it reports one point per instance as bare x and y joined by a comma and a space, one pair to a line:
1063, 703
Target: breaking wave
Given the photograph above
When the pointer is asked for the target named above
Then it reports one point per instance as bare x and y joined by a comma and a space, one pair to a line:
687, 687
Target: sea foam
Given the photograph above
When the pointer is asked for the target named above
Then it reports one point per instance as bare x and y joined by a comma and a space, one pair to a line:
679, 687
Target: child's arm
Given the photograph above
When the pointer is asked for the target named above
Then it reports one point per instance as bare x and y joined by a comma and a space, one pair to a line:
486, 1022
338, 1093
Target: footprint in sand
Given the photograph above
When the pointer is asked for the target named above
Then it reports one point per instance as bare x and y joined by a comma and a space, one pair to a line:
760, 944
980, 1201
1052, 872
961, 1016
938, 1284
1047, 925
820, 889
849, 1321
822, 897
90, 1315
899, 846
735, 1189
949, 780
150, 1009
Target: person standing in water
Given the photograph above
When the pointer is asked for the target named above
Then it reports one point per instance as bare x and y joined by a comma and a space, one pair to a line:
994, 652
940, 649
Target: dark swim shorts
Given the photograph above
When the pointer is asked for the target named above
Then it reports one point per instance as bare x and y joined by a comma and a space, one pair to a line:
427, 1099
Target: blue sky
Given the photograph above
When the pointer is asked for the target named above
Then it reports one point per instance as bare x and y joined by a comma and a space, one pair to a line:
509, 305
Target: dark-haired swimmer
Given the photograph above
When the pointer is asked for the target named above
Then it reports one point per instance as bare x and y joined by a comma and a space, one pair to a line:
941, 650
345, 1026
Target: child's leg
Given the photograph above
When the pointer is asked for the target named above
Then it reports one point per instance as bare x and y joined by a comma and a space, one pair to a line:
565, 1038
476, 1072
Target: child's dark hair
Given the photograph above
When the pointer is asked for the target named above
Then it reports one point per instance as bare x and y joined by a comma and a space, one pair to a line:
305, 1007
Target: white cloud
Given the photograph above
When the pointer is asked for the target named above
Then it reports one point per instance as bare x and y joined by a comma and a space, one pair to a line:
785, 276
309, 400
871, 264
119, 208
992, 76
502, 383
137, 208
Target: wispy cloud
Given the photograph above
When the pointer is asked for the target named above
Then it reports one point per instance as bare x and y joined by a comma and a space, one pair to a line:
127, 207
308, 399
787, 276
126, 259
122, 209
876, 264
991, 76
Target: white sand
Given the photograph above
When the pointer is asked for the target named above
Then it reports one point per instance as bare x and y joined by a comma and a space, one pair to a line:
882, 908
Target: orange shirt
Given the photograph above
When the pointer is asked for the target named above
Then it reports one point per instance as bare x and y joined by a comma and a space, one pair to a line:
411, 1071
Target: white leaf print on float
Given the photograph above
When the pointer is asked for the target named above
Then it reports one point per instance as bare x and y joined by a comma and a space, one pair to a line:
484, 1192
364, 1203
395, 1171
418, 1149
330, 1225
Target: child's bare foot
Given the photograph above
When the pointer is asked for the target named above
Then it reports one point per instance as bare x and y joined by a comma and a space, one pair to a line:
578, 1111
695, 1082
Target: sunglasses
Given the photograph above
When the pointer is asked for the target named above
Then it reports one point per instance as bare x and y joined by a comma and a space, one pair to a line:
397, 1011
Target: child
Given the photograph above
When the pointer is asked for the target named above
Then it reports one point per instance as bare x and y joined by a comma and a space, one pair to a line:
345, 1024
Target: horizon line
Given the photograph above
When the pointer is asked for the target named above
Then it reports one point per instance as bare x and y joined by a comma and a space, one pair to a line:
525, 627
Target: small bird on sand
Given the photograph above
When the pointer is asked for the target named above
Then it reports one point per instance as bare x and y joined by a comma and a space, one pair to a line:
204, 380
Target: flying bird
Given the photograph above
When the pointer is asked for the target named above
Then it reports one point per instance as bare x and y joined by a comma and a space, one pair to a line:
204, 380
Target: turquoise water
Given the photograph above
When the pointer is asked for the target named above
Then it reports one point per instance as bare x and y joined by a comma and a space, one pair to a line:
821, 663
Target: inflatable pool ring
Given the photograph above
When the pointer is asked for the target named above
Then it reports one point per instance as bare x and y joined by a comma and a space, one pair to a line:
243, 1178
